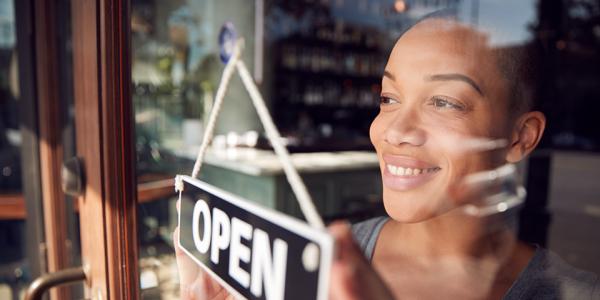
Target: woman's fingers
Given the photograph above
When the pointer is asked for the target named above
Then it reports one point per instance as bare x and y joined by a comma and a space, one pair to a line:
194, 283
353, 278
343, 270
188, 269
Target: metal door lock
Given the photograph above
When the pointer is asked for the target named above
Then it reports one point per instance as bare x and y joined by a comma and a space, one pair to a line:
73, 181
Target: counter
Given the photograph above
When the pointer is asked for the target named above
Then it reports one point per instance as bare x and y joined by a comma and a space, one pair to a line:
262, 162
341, 184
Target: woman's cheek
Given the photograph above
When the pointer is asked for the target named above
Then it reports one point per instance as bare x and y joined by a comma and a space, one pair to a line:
377, 130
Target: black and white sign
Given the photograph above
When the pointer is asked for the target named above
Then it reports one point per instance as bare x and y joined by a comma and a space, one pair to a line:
255, 252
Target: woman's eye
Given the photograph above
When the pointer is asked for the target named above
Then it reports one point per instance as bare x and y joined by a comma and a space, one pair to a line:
383, 100
442, 103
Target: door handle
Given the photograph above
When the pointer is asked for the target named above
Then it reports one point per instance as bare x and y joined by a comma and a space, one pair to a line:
73, 180
45, 282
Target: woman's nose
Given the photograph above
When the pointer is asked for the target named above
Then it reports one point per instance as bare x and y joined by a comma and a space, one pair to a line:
405, 128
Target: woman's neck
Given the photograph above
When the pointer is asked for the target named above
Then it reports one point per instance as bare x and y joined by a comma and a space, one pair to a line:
453, 234
483, 254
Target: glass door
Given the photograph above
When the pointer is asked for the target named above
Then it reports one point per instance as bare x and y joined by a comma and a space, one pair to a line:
64, 79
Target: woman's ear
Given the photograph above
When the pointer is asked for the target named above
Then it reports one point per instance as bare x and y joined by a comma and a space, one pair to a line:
526, 135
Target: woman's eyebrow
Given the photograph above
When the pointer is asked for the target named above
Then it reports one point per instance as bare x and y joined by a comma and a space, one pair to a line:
388, 75
456, 77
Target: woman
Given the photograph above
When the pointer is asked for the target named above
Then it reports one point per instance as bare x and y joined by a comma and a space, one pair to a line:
444, 86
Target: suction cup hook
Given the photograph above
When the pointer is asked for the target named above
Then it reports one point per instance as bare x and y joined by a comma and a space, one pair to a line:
500, 191
227, 39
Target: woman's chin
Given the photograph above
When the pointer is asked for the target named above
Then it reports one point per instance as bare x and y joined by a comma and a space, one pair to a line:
407, 213
419, 208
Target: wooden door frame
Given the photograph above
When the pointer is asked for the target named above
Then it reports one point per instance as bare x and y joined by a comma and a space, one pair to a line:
40, 109
50, 115
104, 125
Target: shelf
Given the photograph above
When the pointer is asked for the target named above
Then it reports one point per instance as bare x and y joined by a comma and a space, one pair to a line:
154, 190
328, 107
319, 75
12, 206
311, 41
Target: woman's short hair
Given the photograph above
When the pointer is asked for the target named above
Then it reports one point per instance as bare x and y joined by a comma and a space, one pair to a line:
518, 64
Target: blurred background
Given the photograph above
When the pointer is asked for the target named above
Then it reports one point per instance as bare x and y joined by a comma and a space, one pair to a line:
318, 64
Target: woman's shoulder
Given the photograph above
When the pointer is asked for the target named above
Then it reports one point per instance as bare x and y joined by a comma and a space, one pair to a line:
366, 232
547, 276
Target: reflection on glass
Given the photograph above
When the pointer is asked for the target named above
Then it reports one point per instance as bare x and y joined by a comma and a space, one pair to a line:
13, 269
174, 75
9, 122
458, 103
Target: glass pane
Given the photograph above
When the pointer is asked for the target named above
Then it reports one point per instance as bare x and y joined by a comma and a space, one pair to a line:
168, 111
16, 260
175, 74
13, 261
466, 126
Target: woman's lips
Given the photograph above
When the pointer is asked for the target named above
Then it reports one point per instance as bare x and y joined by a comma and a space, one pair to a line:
404, 173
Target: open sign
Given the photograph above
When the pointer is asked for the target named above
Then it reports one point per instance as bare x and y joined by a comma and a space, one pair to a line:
255, 252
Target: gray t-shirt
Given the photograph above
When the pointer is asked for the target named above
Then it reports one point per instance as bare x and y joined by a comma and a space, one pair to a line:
546, 276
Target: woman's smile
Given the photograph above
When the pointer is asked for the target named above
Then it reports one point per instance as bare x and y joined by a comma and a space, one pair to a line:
403, 173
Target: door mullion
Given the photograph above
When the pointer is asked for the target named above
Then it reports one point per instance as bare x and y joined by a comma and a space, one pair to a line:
32, 191
104, 134
50, 142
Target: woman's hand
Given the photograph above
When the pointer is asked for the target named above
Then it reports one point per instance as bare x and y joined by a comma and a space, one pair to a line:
194, 283
352, 277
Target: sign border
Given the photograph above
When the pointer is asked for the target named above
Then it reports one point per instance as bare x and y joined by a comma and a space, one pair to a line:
294, 225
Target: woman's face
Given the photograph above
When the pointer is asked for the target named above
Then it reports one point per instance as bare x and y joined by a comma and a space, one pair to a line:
441, 89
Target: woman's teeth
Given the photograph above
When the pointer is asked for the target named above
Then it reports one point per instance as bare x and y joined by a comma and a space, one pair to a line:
400, 171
